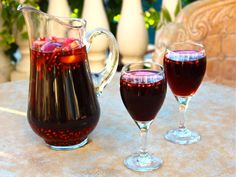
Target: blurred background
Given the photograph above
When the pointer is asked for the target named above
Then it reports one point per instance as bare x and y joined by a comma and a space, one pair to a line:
141, 27
11, 18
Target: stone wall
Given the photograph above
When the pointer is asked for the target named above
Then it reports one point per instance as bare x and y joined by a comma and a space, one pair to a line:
212, 23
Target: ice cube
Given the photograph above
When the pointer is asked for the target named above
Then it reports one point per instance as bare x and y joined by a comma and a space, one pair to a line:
66, 44
70, 43
75, 44
50, 46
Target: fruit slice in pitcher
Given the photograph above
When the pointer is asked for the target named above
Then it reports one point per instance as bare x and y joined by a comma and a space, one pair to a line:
50, 46
71, 55
70, 44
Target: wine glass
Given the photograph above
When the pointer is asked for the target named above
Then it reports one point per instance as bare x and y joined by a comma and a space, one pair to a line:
143, 90
185, 66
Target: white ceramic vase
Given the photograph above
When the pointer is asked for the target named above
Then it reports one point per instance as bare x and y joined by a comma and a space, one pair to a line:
22, 70
95, 15
132, 35
5, 67
59, 8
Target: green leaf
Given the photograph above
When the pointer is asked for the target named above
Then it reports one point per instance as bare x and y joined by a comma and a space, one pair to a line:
150, 2
5, 14
7, 38
20, 22
178, 7
159, 25
24, 35
151, 17
166, 14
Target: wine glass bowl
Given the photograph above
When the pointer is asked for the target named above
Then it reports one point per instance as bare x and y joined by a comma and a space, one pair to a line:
143, 89
185, 66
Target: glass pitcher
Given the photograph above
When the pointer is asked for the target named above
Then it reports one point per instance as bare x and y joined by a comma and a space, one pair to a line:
62, 104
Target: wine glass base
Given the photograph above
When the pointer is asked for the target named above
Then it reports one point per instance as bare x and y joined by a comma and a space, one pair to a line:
71, 147
182, 136
142, 162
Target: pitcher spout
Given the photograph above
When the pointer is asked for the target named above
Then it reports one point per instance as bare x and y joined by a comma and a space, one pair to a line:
40, 24
23, 7
28, 10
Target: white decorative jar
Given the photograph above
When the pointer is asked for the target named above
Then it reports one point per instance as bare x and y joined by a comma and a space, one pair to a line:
95, 15
22, 70
59, 8
5, 67
132, 35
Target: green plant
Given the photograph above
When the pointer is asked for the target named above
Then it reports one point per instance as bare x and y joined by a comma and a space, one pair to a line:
12, 20
157, 19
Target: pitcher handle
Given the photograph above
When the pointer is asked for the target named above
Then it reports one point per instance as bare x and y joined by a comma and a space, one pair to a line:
102, 78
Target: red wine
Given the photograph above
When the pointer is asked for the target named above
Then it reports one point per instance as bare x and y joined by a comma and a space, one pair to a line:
63, 107
143, 93
184, 72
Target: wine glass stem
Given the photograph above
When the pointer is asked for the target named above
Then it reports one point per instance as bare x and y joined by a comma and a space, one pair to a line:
143, 146
182, 110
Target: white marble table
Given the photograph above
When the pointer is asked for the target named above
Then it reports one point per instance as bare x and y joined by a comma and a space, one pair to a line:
212, 112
